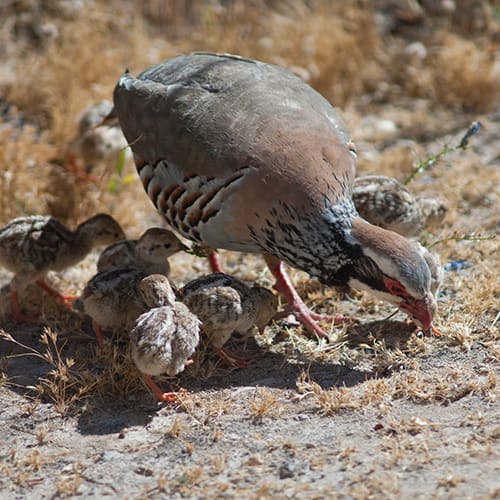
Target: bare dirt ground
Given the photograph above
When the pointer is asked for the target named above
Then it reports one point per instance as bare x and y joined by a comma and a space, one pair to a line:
376, 411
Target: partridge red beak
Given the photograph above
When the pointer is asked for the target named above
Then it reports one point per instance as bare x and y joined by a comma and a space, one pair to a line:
421, 310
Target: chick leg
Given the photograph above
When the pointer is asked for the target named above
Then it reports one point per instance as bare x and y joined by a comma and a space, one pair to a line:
65, 299
169, 397
233, 358
19, 316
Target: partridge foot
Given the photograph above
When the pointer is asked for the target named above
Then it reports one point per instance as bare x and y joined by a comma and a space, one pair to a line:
18, 315
168, 397
296, 305
66, 300
233, 358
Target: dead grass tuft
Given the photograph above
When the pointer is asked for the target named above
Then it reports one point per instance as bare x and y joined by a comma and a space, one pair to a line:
68, 487
177, 428
68, 381
331, 401
264, 404
467, 77
72, 381
23, 155
420, 387
446, 388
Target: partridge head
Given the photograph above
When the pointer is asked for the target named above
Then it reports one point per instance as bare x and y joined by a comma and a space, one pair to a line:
243, 155
391, 268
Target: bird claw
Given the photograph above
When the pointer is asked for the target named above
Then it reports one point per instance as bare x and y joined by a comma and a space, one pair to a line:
295, 305
300, 314
428, 333
233, 358
67, 300
168, 397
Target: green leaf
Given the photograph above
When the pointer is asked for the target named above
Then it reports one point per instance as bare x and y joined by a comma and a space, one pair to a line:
120, 162
113, 185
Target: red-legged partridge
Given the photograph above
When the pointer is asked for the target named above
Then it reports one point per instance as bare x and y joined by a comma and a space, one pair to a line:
385, 202
243, 155
95, 143
149, 253
32, 246
164, 337
226, 305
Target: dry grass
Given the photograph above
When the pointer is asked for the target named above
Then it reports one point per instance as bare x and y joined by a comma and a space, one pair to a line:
84, 378
265, 404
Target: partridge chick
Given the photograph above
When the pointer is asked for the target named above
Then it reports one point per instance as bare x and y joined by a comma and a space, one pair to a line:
226, 305
165, 336
112, 300
149, 253
385, 202
432, 260
95, 143
32, 246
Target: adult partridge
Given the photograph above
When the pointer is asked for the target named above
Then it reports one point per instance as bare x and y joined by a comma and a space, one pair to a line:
385, 202
34, 245
243, 155
165, 336
226, 305
149, 253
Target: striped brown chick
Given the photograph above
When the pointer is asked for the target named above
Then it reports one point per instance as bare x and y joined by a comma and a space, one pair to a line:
387, 203
165, 336
149, 253
32, 246
227, 306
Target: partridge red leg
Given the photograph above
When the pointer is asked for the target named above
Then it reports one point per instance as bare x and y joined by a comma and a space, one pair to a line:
19, 316
169, 397
214, 261
65, 299
296, 305
233, 358
98, 333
